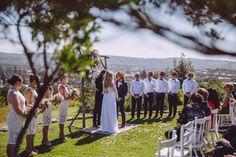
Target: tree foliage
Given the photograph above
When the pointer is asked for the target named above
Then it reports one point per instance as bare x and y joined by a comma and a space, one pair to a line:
182, 67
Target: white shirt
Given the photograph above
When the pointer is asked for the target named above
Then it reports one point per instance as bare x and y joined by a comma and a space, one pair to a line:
137, 87
161, 86
189, 86
149, 85
173, 85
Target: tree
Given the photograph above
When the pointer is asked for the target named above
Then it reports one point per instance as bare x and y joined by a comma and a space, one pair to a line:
207, 18
65, 28
143, 74
182, 67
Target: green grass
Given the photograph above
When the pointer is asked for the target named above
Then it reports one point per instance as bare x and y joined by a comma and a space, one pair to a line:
140, 141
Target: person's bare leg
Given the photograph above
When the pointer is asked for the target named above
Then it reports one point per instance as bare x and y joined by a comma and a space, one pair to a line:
32, 144
45, 135
29, 148
10, 150
61, 135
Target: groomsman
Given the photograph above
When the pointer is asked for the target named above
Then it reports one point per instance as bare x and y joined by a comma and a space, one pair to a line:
173, 87
122, 89
149, 84
161, 89
136, 90
189, 86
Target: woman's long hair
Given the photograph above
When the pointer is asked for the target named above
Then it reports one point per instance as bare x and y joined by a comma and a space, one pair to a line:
108, 79
214, 97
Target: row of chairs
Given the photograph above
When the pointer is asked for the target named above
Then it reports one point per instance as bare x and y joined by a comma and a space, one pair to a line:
197, 134
194, 136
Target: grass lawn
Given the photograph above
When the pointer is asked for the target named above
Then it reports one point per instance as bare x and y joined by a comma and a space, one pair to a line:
140, 141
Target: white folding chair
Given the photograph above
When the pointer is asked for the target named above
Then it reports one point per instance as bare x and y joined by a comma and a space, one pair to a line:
226, 120
184, 147
206, 132
166, 148
214, 127
198, 136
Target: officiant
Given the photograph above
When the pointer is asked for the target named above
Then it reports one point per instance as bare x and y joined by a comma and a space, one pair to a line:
98, 99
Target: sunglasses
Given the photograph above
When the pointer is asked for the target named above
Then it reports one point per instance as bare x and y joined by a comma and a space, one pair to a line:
136, 76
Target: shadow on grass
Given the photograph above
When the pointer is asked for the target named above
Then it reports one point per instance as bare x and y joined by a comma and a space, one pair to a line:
45, 149
149, 120
90, 138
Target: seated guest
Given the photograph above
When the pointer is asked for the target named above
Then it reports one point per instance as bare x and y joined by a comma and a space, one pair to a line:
224, 107
188, 114
226, 145
205, 107
213, 98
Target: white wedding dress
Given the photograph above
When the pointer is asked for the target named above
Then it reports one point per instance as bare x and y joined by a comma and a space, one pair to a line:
109, 122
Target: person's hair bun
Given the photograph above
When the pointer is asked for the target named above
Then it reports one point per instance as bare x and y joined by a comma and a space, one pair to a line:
14, 79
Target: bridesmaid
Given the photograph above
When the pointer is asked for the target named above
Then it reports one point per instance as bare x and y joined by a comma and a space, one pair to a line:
47, 116
30, 96
64, 105
17, 114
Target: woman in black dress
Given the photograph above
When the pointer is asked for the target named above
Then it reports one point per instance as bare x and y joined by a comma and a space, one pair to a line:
188, 114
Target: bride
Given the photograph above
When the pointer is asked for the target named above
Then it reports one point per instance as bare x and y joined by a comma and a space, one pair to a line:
109, 122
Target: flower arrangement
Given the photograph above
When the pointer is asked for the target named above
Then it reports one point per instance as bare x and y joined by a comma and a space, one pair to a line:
74, 93
57, 99
44, 104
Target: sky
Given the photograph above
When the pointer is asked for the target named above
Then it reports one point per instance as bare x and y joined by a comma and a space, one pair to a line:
118, 41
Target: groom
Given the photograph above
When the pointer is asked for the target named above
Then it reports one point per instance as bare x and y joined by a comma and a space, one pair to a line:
122, 89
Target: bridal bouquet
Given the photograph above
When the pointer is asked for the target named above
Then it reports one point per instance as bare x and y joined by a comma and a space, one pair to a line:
44, 104
74, 93
57, 99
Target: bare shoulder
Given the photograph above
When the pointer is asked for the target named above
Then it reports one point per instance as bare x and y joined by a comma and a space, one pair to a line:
12, 95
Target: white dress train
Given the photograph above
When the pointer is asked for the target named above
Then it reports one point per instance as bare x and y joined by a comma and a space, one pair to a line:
109, 122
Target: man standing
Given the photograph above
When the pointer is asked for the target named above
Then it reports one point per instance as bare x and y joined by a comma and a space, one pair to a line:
98, 99
173, 87
122, 89
161, 90
189, 86
149, 84
136, 90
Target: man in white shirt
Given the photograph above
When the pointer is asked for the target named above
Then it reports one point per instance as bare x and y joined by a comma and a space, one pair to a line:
189, 86
149, 84
161, 88
136, 90
173, 88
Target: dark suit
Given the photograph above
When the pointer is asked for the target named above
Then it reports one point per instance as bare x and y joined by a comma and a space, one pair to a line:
122, 90
98, 101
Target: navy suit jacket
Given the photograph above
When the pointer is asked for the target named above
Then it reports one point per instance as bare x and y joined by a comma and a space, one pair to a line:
122, 90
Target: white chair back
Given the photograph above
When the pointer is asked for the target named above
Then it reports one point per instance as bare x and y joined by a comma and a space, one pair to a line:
207, 126
186, 137
199, 128
214, 114
169, 144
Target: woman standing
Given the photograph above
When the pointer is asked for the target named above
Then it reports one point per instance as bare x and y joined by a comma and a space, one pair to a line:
30, 96
109, 122
47, 116
64, 105
224, 107
17, 114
